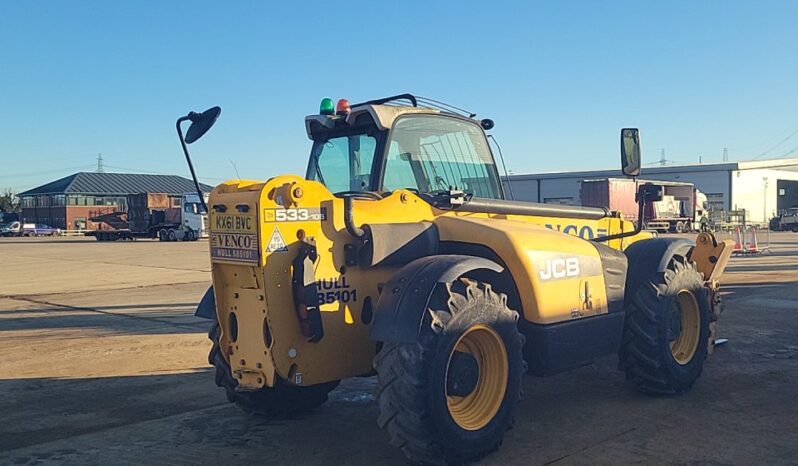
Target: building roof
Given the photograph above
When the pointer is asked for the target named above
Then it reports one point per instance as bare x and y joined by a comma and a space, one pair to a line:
787, 164
119, 184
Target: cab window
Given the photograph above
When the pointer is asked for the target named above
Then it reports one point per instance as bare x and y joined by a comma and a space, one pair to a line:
431, 153
191, 207
344, 163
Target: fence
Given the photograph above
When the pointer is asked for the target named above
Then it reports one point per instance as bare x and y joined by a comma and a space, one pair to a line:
73, 232
747, 239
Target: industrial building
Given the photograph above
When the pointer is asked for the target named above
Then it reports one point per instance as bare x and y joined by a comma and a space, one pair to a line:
69, 202
762, 188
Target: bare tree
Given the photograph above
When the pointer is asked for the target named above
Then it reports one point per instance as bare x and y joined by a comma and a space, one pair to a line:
9, 202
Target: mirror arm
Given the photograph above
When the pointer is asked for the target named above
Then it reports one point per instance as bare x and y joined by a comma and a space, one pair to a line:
188, 159
641, 204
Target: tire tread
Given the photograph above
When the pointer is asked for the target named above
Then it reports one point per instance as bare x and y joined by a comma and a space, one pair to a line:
400, 368
641, 354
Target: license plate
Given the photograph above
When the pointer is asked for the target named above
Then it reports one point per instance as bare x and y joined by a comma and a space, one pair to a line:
234, 238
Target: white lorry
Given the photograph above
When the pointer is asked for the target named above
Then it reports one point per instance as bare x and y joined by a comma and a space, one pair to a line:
193, 216
151, 215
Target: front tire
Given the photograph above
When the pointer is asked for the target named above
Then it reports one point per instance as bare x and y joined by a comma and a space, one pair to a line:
281, 401
449, 397
666, 332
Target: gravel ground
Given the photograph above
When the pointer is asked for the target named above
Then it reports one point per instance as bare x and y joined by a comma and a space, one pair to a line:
105, 364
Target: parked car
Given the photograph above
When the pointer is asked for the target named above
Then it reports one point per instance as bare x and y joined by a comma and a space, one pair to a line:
39, 229
786, 221
11, 229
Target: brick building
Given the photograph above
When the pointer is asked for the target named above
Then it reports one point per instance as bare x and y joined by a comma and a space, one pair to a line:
68, 203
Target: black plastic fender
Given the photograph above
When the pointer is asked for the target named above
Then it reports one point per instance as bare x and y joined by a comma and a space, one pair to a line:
649, 256
404, 299
207, 306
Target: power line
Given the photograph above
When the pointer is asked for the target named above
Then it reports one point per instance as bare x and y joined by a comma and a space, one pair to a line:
134, 170
662, 160
790, 152
777, 144
148, 172
46, 172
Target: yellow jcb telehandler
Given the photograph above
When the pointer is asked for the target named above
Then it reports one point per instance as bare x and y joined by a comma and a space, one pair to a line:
397, 254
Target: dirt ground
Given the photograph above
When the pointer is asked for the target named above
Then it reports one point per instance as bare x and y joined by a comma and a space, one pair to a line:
102, 362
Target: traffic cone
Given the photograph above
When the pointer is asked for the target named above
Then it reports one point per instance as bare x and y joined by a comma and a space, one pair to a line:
753, 246
738, 241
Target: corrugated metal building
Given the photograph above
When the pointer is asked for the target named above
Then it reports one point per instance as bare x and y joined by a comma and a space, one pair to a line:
68, 203
762, 188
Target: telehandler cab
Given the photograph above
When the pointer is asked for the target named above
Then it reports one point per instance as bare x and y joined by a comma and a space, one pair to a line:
398, 254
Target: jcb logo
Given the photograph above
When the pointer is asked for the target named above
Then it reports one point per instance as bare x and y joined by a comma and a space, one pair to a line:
560, 267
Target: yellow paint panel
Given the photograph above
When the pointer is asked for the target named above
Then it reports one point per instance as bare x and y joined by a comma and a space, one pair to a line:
530, 252
286, 208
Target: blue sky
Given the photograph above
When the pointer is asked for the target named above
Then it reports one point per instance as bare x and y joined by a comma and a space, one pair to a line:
560, 79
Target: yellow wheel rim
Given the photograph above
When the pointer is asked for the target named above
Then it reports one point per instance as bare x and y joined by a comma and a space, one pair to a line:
684, 347
475, 410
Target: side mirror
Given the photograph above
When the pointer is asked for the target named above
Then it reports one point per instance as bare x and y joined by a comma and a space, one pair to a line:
201, 123
630, 151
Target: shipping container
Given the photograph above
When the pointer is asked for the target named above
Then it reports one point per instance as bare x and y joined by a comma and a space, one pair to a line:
680, 210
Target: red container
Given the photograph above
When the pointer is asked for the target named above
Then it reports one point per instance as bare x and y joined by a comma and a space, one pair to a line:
616, 194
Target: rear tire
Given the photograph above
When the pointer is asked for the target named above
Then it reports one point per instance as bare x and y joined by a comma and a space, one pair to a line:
417, 381
281, 401
666, 332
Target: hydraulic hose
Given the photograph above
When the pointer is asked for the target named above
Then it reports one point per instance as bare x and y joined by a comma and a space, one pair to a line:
349, 220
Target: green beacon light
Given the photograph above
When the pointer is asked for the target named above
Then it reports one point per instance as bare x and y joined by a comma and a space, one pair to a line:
327, 107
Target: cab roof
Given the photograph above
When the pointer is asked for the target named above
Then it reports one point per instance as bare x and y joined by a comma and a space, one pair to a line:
383, 112
381, 115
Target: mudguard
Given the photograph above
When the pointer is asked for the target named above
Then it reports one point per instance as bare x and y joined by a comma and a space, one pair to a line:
207, 306
650, 256
404, 299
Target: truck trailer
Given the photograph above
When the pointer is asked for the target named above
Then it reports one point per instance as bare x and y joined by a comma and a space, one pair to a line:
680, 210
152, 215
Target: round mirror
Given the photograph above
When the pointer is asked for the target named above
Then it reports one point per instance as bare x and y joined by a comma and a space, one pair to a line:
201, 123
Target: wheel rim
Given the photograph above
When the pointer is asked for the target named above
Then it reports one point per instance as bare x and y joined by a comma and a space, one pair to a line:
476, 409
684, 347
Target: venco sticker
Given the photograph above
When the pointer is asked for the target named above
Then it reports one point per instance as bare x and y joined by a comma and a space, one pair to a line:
234, 237
234, 247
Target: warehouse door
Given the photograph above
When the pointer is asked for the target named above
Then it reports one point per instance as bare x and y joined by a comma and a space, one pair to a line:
787, 191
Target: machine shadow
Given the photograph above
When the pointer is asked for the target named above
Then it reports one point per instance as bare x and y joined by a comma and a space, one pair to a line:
145, 319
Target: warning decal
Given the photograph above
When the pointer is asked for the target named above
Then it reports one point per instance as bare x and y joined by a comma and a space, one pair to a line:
276, 242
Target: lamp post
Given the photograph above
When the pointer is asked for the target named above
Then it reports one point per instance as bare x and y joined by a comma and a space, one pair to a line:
765, 200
